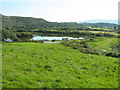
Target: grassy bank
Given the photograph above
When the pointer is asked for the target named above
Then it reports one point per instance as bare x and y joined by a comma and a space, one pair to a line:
39, 65
98, 46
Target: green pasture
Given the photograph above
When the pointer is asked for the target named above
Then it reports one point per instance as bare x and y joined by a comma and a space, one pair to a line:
105, 43
39, 65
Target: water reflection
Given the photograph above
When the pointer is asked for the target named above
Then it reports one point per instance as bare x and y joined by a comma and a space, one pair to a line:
54, 38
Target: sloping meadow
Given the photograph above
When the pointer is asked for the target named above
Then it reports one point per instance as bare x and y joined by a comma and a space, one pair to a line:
39, 65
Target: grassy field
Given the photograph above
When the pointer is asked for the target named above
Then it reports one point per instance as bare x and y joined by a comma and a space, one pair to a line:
39, 65
105, 43
103, 29
116, 34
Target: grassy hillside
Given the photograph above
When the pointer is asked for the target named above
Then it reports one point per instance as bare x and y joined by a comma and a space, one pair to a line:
17, 23
39, 65
105, 43
99, 46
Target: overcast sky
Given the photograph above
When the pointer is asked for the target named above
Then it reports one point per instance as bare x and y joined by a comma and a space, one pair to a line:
62, 10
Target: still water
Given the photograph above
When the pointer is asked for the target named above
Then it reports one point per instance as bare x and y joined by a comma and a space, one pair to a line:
53, 38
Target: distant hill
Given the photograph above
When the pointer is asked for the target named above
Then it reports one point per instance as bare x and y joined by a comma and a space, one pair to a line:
101, 25
28, 23
100, 21
18, 23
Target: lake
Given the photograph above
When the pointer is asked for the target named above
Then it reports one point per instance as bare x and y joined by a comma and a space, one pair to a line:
53, 38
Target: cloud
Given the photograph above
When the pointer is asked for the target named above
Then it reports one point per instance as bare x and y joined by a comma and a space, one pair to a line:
65, 10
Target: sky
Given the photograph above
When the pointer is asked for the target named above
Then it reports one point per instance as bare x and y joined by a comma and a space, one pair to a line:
61, 10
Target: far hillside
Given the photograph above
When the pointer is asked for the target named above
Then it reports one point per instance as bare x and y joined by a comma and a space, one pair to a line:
30, 23
14, 27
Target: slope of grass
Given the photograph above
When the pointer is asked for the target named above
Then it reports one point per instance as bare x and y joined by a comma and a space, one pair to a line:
105, 43
103, 32
102, 29
37, 65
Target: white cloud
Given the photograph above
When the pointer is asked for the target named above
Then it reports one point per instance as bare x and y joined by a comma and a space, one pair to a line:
71, 10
